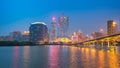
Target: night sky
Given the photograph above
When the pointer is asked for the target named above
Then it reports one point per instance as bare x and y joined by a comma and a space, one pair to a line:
85, 15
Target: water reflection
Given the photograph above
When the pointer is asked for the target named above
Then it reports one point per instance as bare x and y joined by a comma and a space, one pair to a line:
86, 57
100, 58
113, 60
73, 57
15, 57
113, 49
26, 56
53, 57
60, 57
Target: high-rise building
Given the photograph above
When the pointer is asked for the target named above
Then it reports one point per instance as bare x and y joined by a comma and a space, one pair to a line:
38, 32
111, 27
63, 23
80, 37
53, 29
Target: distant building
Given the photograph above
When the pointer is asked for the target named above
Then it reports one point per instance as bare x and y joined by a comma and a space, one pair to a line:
80, 37
5, 38
74, 37
77, 37
97, 34
63, 23
25, 36
53, 30
111, 27
86, 38
16, 35
38, 32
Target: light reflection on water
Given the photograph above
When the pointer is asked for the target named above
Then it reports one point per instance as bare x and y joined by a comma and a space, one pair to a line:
53, 58
59, 57
15, 57
26, 56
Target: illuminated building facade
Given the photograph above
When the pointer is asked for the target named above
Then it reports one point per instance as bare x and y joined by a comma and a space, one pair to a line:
63, 24
111, 27
53, 29
80, 37
97, 34
16, 36
25, 36
77, 37
86, 38
74, 37
38, 32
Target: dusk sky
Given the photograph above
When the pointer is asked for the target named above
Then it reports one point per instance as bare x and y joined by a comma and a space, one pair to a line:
85, 15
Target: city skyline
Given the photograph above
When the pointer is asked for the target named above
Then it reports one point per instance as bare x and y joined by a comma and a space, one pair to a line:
84, 15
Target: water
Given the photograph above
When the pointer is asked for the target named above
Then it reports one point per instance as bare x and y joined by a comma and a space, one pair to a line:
58, 57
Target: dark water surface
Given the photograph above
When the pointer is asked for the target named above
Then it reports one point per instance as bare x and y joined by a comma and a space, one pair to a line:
58, 57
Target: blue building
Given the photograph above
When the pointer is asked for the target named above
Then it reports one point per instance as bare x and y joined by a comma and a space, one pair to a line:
38, 32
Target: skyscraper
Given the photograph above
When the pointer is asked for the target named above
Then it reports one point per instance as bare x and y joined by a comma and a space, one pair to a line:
38, 32
53, 29
111, 27
63, 23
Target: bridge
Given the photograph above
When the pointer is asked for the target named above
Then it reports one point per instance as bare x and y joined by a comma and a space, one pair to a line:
109, 40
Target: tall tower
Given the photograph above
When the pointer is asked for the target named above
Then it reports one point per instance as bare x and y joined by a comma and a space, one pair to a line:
63, 24
53, 29
111, 27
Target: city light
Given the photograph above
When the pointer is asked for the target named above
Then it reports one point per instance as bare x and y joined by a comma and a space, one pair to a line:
38, 23
101, 30
63, 40
60, 34
53, 19
114, 24
26, 32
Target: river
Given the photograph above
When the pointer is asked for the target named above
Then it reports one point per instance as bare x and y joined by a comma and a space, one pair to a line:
58, 57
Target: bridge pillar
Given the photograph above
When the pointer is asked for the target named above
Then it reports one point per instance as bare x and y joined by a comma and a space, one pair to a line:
97, 43
93, 44
114, 43
108, 43
102, 43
